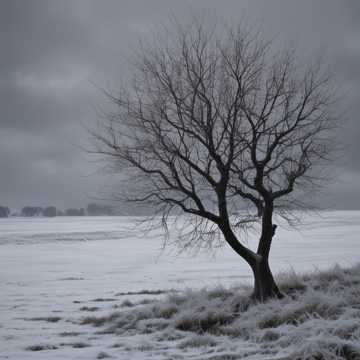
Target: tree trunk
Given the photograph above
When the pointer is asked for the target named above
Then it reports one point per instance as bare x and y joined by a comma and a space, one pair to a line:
264, 285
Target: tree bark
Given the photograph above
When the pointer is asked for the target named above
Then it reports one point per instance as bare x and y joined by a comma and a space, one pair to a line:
264, 286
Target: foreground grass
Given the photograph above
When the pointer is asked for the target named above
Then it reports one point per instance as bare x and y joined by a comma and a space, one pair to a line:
319, 319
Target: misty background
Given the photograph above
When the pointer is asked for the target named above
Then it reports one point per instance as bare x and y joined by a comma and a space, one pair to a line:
53, 52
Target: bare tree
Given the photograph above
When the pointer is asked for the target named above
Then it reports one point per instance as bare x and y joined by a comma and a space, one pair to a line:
224, 128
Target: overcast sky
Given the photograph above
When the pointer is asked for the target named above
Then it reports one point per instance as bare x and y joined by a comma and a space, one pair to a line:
52, 52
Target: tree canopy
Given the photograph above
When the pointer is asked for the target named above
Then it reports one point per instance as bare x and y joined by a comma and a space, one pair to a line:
223, 126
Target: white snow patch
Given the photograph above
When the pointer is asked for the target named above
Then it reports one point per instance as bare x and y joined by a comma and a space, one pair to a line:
52, 268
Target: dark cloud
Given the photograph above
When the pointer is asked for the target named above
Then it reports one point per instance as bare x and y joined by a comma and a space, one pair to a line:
53, 51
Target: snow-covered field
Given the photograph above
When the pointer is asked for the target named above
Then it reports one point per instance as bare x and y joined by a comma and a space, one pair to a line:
56, 272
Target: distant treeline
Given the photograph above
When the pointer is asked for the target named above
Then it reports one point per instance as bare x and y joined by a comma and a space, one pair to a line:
92, 209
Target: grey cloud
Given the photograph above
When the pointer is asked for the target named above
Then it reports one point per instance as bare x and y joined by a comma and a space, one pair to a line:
52, 52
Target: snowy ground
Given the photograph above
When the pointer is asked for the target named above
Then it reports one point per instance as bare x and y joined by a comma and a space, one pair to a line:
55, 272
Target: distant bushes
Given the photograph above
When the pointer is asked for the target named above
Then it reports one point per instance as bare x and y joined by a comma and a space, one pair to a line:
74, 212
4, 211
49, 211
92, 209
31, 211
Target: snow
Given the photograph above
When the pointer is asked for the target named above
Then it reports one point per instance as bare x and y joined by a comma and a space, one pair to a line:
51, 268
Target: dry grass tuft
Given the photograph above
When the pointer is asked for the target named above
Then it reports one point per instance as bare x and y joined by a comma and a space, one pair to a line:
103, 355
198, 341
51, 319
89, 308
319, 318
41, 347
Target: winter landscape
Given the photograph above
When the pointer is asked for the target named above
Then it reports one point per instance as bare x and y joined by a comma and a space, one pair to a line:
74, 288
179, 180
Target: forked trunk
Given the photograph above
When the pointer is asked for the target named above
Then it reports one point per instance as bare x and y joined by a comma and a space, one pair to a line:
264, 286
